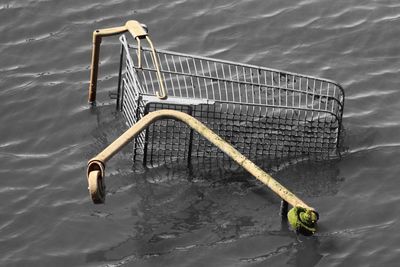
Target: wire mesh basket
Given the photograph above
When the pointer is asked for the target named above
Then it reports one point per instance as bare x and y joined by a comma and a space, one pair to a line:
262, 112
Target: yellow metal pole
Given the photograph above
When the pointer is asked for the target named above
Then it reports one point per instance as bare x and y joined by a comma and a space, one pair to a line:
162, 94
94, 66
302, 217
96, 165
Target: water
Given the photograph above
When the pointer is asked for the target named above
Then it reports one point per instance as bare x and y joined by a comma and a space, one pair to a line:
170, 216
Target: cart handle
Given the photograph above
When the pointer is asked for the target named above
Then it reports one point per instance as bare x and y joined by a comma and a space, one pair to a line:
138, 32
302, 217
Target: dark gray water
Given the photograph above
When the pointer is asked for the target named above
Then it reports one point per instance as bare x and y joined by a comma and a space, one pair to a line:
171, 217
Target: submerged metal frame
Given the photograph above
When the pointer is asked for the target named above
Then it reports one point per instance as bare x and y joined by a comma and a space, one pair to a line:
96, 166
251, 92
271, 103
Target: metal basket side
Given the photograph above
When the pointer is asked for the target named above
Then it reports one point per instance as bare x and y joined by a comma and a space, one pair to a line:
261, 111
188, 76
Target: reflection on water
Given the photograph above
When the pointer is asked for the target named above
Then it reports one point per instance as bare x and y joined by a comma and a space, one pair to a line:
300, 251
196, 210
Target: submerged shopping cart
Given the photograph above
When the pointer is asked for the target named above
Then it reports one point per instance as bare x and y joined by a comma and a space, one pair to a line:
184, 107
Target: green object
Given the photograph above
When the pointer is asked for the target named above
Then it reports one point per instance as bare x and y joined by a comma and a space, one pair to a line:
303, 221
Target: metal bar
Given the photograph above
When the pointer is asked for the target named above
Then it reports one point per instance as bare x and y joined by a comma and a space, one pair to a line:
190, 111
283, 210
177, 79
191, 78
139, 54
150, 75
146, 138
97, 164
184, 80
122, 94
121, 57
244, 82
249, 66
162, 93
94, 67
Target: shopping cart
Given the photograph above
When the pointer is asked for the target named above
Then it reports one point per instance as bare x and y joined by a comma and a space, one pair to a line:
260, 112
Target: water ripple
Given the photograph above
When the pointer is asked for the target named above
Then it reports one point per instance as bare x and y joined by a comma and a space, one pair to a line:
167, 215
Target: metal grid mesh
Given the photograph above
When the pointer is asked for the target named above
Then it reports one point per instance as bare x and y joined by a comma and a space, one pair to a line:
262, 112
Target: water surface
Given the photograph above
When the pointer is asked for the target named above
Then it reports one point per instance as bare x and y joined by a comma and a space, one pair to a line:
173, 216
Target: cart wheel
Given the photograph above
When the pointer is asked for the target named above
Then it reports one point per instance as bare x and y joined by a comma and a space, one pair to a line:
96, 187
